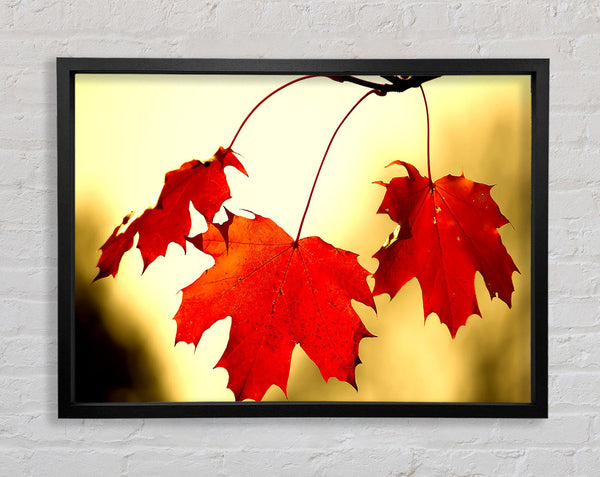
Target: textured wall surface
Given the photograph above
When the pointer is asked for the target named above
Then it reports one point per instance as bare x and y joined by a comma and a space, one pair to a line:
34, 442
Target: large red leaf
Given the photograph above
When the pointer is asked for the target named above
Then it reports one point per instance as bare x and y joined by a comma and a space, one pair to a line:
204, 184
447, 233
278, 294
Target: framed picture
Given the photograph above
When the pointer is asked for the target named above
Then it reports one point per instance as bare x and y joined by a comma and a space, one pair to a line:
302, 237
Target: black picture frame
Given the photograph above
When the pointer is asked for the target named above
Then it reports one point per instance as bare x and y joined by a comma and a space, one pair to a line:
67, 68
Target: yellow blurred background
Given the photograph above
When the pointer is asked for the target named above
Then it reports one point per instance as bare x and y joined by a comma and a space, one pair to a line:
131, 129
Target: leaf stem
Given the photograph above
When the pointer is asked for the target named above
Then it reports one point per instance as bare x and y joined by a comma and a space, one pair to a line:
397, 84
263, 100
379, 93
428, 155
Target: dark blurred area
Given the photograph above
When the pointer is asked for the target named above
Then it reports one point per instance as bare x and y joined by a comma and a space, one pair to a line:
106, 369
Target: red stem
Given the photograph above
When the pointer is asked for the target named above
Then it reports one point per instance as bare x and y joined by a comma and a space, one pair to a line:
428, 158
323, 161
263, 100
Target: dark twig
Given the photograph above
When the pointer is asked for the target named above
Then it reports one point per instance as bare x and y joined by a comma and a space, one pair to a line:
396, 84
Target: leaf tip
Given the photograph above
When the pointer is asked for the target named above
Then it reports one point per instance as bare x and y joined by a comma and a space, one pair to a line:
196, 241
227, 157
395, 163
146, 263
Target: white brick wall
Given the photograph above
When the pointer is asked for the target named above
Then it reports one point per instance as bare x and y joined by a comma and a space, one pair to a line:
34, 442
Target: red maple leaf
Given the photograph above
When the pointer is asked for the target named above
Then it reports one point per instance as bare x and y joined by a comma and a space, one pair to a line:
278, 293
204, 184
447, 232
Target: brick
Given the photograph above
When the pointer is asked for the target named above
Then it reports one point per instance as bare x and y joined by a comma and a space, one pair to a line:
574, 204
120, 47
337, 434
565, 241
23, 395
26, 208
19, 51
137, 16
475, 16
177, 15
352, 463
24, 245
587, 461
573, 164
513, 18
35, 87
380, 17
591, 242
572, 390
22, 125
31, 283
23, 355
468, 462
108, 432
26, 316
574, 312
557, 17
15, 461
44, 15
23, 429
7, 83
568, 127
558, 49
573, 279
585, 49
548, 462
444, 46
595, 431
7, 15
184, 463
558, 430
15, 168
88, 15
295, 462
160, 434
265, 18
593, 130
432, 16
564, 92
60, 462
575, 351
463, 433
299, 462
578, 17
332, 16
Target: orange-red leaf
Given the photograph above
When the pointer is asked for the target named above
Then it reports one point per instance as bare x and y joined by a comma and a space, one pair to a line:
204, 184
278, 294
114, 248
447, 233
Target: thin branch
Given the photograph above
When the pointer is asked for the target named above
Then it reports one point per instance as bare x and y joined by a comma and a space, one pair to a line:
263, 100
325, 155
397, 84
